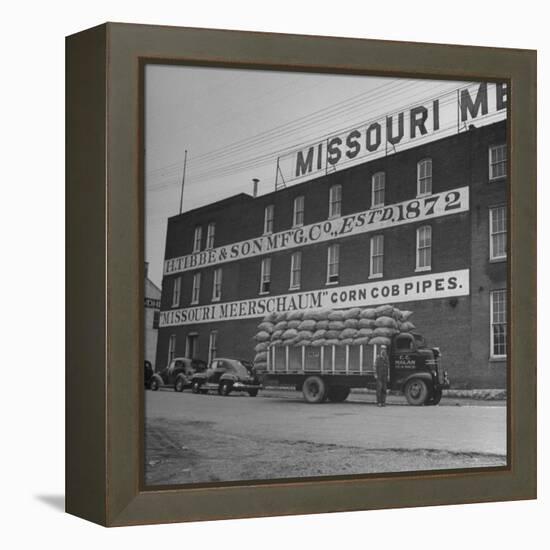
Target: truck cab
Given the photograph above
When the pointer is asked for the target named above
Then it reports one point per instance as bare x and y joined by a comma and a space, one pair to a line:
415, 369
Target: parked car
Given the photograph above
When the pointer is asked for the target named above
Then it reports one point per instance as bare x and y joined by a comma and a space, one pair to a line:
225, 376
178, 374
147, 374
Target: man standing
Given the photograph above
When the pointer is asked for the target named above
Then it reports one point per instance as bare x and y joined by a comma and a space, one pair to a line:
382, 368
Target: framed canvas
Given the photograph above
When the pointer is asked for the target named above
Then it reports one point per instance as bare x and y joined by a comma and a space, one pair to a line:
270, 235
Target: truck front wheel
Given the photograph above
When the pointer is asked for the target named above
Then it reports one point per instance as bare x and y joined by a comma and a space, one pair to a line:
435, 398
338, 394
416, 392
314, 389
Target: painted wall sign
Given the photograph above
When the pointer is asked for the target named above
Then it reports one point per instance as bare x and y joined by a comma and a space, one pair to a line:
422, 287
152, 303
450, 113
425, 208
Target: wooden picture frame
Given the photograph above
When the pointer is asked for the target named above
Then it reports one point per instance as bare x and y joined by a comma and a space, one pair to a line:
104, 397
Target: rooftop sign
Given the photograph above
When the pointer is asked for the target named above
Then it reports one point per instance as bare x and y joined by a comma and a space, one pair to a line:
448, 114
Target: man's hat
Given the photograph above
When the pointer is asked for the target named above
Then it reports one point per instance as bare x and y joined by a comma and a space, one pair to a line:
383, 346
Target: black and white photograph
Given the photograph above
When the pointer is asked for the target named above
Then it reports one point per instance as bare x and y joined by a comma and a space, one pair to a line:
325, 274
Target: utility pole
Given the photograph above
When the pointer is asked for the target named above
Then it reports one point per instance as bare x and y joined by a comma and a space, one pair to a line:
183, 180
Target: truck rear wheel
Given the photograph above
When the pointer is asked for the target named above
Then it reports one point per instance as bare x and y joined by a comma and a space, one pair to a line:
416, 392
314, 389
338, 394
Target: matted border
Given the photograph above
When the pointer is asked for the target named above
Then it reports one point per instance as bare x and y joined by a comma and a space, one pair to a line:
110, 454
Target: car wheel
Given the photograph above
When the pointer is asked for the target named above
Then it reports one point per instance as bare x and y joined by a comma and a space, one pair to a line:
338, 394
225, 388
253, 393
314, 389
196, 387
154, 385
416, 392
179, 385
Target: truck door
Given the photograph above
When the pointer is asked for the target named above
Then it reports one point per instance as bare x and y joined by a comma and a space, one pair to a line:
403, 358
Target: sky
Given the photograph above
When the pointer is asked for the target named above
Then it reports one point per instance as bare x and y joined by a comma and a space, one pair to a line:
235, 123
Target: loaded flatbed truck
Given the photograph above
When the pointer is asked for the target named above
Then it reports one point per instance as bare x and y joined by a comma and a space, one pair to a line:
329, 372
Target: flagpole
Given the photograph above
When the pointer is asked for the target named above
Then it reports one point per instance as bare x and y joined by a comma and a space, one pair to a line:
183, 180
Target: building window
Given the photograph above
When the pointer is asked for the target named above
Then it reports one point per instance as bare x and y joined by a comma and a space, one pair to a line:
295, 270
171, 348
424, 248
197, 239
298, 218
378, 189
333, 260
269, 215
195, 293
176, 292
498, 324
217, 285
211, 231
497, 230
212, 346
265, 276
497, 162
424, 178
335, 201
376, 256
156, 318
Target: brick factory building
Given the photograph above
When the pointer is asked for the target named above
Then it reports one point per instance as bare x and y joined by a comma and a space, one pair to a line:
424, 229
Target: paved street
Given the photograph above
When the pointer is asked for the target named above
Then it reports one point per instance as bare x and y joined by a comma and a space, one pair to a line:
201, 438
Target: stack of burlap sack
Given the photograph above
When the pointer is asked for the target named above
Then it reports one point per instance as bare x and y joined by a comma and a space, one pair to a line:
325, 327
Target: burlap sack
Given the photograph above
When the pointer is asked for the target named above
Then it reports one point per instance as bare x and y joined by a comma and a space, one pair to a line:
368, 313
367, 323
303, 343
336, 315
351, 323
361, 341
262, 336
318, 334
352, 313
332, 342
281, 325
276, 334
346, 342
319, 343
336, 325
348, 333
266, 326
387, 322
260, 367
280, 316
261, 347
407, 326
260, 357
296, 315
289, 334
304, 335
384, 332
380, 341
276, 343
405, 315
294, 323
332, 334
384, 311
365, 332
322, 324
307, 324
271, 317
